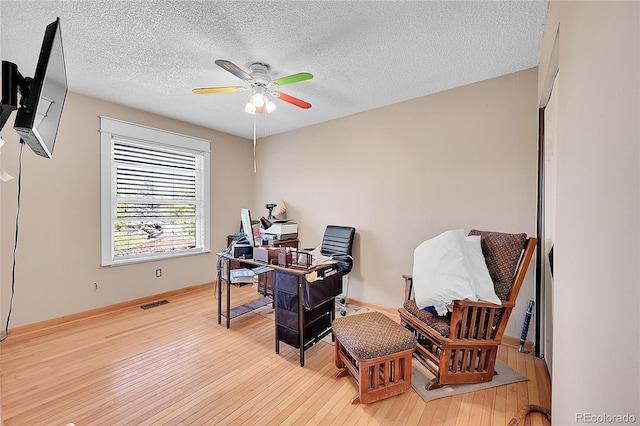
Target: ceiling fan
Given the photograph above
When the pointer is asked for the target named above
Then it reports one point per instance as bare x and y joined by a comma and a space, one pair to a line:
261, 84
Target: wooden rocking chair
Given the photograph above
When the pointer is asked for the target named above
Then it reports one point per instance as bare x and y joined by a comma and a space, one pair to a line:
461, 347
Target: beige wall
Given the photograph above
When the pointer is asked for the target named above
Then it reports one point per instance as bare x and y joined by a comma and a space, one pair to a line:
596, 339
58, 258
463, 158
2, 321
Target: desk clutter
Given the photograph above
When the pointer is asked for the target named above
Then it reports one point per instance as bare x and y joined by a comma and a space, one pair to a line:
302, 285
265, 254
303, 299
277, 252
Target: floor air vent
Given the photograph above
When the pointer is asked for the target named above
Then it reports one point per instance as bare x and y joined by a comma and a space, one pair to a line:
154, 304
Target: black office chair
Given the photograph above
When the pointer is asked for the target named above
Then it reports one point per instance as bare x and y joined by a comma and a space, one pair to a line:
338, 243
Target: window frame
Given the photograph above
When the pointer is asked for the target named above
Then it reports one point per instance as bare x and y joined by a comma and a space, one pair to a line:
112, 129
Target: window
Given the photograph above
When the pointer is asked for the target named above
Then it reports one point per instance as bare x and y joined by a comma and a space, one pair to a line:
155, 193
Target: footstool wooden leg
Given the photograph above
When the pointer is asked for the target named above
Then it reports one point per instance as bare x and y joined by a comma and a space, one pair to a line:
342, 372
338, 349
377, 352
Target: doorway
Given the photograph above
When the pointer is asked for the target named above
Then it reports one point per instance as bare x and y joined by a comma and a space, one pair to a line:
547, 176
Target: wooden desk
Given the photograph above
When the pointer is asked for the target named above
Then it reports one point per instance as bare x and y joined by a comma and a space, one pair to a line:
293, 243
304, 310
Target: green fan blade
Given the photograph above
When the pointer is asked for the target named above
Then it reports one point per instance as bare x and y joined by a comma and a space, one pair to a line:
302, 76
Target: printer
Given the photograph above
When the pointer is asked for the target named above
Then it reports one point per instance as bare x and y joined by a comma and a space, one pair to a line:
281, 231
241, 249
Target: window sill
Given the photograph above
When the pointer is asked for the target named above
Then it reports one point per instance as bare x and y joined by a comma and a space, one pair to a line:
156, 258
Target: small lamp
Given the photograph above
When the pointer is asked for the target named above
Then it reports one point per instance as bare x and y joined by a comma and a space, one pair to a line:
266, 223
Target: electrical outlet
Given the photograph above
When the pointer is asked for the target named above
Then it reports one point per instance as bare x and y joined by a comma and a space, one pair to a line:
158, 273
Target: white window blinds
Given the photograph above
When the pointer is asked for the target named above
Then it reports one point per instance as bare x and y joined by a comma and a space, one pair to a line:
158, 200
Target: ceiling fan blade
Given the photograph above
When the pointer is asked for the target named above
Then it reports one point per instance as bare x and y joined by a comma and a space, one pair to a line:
301, 76
235, 70
294, 101
209, 90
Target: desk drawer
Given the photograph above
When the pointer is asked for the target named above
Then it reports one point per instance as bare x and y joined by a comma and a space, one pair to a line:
311, 315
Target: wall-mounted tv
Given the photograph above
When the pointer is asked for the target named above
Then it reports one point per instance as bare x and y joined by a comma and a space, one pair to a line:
42, 97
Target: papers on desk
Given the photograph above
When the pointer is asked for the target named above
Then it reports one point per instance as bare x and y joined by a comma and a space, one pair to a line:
243, 275
261, 270
318, 258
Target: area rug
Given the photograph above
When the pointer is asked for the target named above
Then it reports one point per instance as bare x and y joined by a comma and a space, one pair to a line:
421, 376
251, 306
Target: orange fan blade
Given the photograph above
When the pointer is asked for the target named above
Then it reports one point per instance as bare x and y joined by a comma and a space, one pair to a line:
294, 101
209, 90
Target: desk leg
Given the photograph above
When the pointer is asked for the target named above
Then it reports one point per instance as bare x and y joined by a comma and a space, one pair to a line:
274, 289
332, 311
219, 292
228, 293
332, 316
301, 319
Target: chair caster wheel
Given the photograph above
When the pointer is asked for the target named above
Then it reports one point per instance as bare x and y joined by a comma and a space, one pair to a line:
343, 313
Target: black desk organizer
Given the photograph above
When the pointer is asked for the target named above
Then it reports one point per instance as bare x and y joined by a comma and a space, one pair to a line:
304, 310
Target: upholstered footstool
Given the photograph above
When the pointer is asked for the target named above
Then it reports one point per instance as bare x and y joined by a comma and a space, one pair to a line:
377, 352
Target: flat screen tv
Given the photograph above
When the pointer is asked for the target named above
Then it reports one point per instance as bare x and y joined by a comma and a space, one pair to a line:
38, 117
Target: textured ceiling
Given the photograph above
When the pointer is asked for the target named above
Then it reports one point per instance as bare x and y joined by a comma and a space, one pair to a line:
363, 54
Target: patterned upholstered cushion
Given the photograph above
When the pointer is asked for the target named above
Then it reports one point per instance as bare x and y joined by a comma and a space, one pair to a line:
440, 324
372, 335
501, 252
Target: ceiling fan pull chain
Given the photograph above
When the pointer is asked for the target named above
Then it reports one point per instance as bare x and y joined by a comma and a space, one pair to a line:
255, 118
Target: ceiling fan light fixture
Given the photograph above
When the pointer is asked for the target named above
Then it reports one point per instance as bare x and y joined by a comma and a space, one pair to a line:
258, 100
270, 106
250, 108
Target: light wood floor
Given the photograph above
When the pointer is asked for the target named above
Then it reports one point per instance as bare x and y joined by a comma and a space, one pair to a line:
173, 364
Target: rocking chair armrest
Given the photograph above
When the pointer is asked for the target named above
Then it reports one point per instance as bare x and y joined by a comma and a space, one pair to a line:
464, 303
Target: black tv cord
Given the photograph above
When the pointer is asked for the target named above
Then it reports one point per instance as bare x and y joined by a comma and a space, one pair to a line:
15, 246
